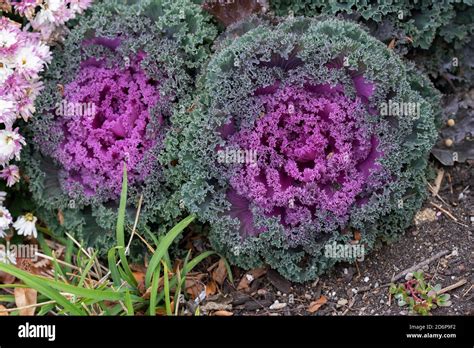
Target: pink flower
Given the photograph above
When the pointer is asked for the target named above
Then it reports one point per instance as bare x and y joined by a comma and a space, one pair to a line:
5, 221
11, 143
26, 8
11, 174
8, 38
8, 110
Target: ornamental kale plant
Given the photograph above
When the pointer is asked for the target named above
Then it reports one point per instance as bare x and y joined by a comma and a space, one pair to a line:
108, 100
308, 134
421, 20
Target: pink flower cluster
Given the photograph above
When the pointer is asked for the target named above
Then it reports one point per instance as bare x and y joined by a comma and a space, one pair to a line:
24, 54
22, 57
48, 17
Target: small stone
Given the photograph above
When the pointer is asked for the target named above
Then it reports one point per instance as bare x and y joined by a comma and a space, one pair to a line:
409, 276
277, 305
345, 271
376, 285
261, 292
341, 302
354, 290
366, 279
382, 301
308, 296
451, 122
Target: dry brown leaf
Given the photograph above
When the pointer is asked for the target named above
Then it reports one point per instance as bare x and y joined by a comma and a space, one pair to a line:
391, 45
3, 311
220, 273
60, 217
249, 277
211, 288
357, 235
6, 278
315, 305
26, 297
223, 314
29, 266
161, 311
194, 286
60, 89
139, 276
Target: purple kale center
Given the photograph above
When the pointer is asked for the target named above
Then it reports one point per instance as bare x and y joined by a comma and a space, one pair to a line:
315, 152
111, 128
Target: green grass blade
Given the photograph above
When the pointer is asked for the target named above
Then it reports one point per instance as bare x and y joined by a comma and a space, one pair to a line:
86, 270
129, 304
104, 295
112, 259
166, 286
152, 236
120, 229
154, 290
42, 287
7, 298
68, 254
229, 270
46, 309
163, 247
47, 250
193, 263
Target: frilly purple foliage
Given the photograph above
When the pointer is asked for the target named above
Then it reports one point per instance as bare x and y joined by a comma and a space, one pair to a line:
289, 151
113, 131
314, 153
109, 98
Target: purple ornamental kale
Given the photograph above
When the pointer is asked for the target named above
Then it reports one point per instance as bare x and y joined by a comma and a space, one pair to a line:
112, 131
314, 153
110, 95
291, 154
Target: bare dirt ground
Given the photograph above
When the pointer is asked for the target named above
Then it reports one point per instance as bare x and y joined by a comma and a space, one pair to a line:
362, 289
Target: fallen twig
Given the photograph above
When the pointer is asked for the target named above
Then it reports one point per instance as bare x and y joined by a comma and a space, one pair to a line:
444, 211
26, 307
431, 188
452, 286
358, 271
420, 265
438, 182
351, 304
467, 291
